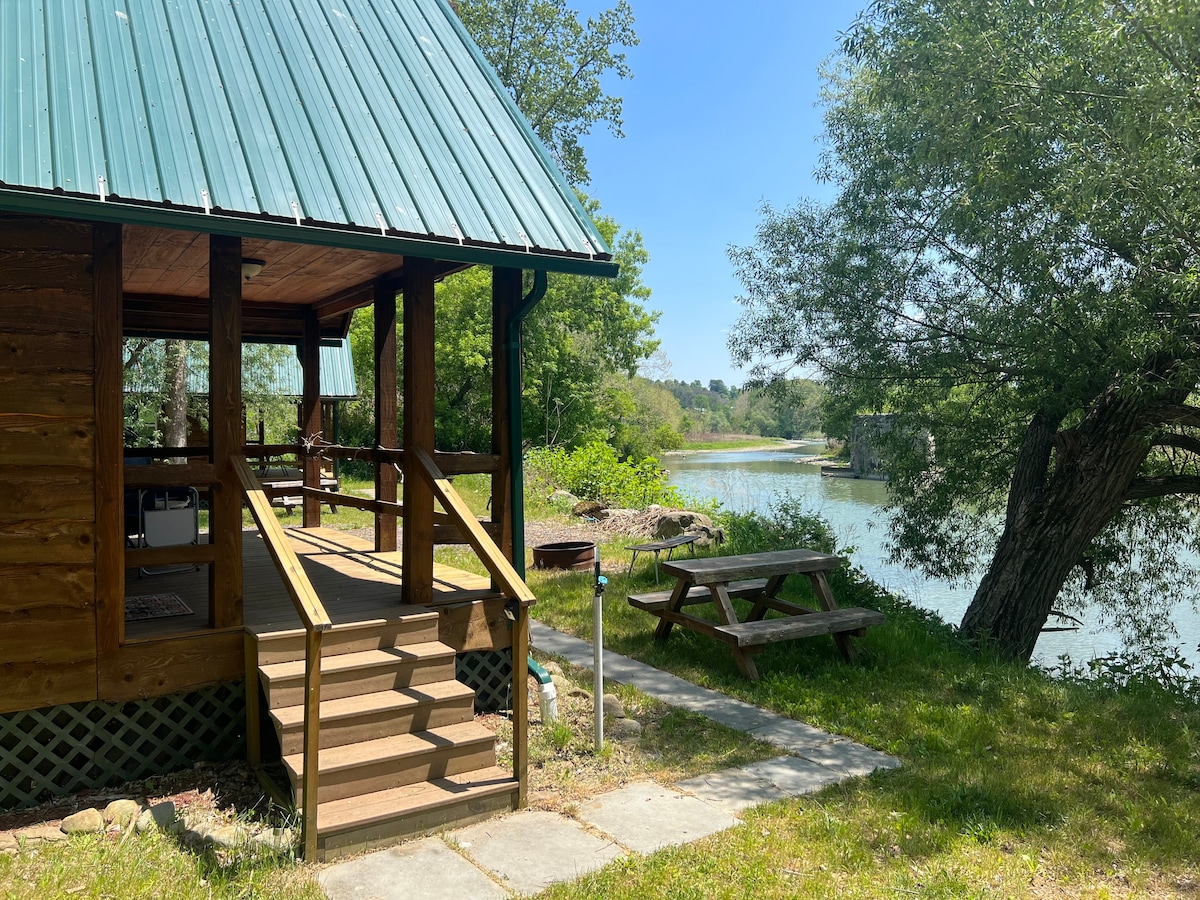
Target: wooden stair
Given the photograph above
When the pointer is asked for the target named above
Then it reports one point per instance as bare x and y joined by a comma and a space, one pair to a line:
400, 752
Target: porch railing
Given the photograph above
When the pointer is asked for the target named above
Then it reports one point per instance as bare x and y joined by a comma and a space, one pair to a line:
513, 587
316, 622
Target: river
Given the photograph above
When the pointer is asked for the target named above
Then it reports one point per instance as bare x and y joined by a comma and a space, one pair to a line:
745, 481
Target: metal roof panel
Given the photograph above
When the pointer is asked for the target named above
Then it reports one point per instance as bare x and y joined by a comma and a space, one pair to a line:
354, 115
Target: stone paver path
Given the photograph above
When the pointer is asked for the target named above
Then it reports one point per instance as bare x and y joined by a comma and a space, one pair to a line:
529, 850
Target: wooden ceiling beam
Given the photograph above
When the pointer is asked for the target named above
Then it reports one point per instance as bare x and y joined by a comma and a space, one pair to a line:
152, 315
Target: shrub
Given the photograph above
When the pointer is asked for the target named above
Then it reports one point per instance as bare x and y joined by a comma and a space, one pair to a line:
786, 524
594, 472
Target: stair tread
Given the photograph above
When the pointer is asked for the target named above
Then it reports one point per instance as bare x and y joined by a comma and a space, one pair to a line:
349, 756
363, 659
411, 799
403, 614
379, 701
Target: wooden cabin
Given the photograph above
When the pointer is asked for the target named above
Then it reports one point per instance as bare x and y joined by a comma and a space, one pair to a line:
150, 152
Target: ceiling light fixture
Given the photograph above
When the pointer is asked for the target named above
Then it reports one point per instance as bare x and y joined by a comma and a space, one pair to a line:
251, 267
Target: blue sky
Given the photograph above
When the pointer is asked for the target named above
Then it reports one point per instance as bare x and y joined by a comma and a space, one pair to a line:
720, 117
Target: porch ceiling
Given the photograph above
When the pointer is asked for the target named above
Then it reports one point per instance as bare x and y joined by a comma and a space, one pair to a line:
165, 281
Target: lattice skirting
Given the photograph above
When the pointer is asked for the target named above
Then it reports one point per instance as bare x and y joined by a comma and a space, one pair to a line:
63, 749
489, 674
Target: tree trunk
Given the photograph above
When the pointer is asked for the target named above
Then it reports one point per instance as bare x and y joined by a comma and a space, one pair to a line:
1054, 513
175, 403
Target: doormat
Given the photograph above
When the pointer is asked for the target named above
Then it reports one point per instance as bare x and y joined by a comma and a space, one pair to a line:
155, 606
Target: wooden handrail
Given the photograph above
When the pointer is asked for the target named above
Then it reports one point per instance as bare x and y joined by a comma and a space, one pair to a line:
299, 588
187, 554
511, 584
448, 463
316, 622
337, 498
188, 475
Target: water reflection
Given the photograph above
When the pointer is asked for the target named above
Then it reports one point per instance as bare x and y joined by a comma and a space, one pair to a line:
748, 481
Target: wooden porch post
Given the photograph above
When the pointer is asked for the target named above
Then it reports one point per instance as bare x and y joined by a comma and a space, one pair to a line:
385, 408
110, 461
506, 296
311, 413
417, 534
226, 437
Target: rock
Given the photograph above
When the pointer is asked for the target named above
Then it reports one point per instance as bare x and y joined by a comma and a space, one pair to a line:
277, 840
684, 522
626, 729
122, 812
613, 706
198, 826
553, 668
192, 839
8, 851
86, 820
588, 509
8, 842
49, 833
35, 836
681, 521
161, 816
579, 692
229, 837
563, 498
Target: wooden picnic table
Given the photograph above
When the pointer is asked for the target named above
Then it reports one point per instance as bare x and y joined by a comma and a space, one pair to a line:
757, 577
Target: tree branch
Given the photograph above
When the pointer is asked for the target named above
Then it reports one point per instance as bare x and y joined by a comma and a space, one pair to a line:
1171, 414
1162, 486
1180, 442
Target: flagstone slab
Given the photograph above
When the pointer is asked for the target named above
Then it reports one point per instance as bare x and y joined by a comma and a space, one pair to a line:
531, 850
646, 816
850, 758
427, 869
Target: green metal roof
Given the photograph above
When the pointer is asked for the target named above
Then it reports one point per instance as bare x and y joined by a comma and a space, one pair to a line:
285, 378
337, 374
373, 124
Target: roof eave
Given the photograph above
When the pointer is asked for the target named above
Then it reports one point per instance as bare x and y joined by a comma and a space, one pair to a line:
92, 210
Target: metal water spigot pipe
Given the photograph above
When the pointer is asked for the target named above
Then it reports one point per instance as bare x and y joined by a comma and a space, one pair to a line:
598, 652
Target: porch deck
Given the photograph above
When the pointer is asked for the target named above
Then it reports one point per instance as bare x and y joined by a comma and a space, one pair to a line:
353, 581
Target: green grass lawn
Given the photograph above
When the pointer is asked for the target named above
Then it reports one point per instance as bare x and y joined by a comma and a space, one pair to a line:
740, 442
1014, 784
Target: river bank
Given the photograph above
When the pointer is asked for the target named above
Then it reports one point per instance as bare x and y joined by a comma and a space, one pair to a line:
753, 481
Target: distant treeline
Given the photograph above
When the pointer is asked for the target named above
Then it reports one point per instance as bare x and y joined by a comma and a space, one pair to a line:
790, 409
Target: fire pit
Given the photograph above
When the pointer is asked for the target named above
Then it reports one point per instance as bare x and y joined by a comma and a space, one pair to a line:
575, 555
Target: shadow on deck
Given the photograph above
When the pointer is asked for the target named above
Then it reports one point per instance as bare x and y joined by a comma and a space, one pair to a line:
353, 581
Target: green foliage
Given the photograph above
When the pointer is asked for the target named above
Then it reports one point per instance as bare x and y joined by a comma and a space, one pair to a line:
594, 472
787, 524
787, 408
147, 379
1010, 262
555, 67
646, 417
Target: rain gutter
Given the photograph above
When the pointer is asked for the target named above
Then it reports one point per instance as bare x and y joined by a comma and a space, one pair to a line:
512, 349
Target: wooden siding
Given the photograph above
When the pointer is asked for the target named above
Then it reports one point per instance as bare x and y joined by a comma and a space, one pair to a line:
47, 464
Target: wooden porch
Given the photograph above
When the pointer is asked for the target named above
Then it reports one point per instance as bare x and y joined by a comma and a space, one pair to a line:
355, 583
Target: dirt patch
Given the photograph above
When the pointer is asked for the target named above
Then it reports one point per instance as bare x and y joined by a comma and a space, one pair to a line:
208, 792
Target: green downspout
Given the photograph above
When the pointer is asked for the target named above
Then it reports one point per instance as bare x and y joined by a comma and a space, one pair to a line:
512, 347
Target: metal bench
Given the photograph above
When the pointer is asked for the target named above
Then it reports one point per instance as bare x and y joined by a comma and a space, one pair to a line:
657, 547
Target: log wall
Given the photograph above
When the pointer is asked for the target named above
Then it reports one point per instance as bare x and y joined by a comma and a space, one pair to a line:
47, 464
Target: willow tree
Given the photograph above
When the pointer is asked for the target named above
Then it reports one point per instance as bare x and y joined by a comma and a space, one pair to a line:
1010, 267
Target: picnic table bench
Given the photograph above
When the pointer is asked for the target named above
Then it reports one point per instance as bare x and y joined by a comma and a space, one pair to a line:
657, 547
757, 577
